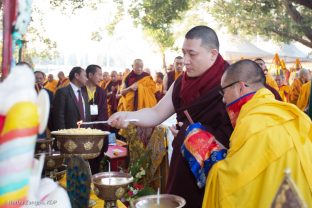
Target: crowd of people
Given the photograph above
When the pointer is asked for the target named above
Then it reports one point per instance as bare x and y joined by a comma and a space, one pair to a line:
257, 118
93, 95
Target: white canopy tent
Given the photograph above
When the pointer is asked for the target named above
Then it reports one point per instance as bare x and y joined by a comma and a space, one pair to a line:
234, 48
289, 52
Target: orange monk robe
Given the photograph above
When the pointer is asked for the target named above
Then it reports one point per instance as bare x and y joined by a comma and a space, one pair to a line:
295, 91
284, 92
159, 91
146, 96
103, 84
304, 96
64, 83
51, 85
270, 81
177, 75
159, 87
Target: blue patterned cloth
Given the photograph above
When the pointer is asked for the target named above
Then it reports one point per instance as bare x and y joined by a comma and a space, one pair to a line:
201, 152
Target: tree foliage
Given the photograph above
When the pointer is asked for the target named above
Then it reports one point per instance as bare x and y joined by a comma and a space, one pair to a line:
157, 17
280, 20
71, 6
118, 16
38, 44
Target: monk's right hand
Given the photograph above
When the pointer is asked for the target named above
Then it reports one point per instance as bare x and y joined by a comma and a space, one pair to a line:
118, 120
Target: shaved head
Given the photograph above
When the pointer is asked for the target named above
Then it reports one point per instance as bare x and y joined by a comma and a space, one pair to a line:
303, 72
138, 66
241, 78
208, 36
247, 71
304, 75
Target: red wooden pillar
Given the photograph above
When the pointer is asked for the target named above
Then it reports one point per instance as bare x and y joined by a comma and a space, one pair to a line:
9, 15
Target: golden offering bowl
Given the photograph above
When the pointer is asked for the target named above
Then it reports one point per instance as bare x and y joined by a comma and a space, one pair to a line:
59, 173
52, 161
111, 186
87, 146
165, 201
44, 145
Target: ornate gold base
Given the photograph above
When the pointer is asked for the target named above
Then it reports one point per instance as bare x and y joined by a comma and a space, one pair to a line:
84, 156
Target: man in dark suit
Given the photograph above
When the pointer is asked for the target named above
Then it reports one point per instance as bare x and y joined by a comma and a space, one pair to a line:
70, 103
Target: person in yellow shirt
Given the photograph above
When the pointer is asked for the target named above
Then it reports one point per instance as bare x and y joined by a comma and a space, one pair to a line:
138, 89
51, 84
269, 136
283, 88
269, 79
304, 77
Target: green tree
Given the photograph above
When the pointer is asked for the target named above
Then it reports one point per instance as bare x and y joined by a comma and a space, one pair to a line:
156, 18
280, 20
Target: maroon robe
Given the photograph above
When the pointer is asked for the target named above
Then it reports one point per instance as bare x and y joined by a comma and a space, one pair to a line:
170, 78
111, 99
204, 105
131, 79
274, 91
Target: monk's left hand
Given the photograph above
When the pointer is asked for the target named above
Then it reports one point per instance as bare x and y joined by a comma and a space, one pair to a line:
174, 130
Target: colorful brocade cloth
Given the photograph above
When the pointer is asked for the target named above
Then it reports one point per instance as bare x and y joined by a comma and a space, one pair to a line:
201, 151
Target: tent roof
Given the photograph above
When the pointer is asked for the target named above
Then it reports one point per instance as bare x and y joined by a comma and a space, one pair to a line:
235, 48
290, 52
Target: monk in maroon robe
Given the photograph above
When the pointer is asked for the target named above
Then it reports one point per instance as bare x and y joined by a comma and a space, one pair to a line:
138, 89
112, 90
198, 92
173, 75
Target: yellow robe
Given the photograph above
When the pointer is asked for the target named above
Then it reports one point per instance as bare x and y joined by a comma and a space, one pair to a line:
159, 87
51, 85
295, 90
146, 96
304, 96
270, 81
64, 83
284, 92
177, 75
269, 137
103, 84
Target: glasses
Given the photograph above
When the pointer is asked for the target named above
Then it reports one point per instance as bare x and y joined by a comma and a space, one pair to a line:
230, 85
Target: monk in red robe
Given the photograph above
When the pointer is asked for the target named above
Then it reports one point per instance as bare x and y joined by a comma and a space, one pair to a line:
105, 80
137, 90
159, 86
63, 81
112, 89
51, 84
198, 91
173, 74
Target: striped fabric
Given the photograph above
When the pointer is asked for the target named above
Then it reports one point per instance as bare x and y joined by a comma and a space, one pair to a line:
17, 146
